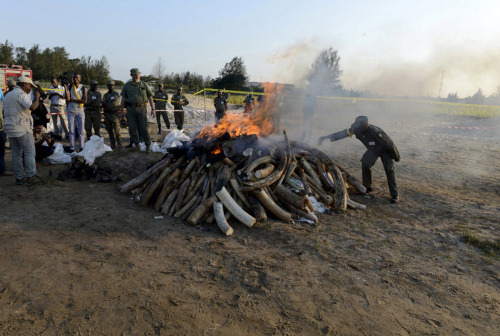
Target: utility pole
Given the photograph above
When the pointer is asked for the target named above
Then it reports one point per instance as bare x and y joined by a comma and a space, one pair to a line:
441, 85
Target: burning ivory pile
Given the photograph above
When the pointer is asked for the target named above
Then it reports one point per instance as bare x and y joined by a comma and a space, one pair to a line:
201, 179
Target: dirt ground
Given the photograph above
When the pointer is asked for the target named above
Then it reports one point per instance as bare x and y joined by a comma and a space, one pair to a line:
79, 258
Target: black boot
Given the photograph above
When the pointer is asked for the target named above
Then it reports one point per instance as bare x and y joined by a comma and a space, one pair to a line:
394, 199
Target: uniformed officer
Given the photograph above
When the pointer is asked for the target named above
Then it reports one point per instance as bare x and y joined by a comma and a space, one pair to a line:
111, 109
249, 103
225, 94
136, 95
160, 99
308, 116
93, 111
220, 104
179, 101
379, 144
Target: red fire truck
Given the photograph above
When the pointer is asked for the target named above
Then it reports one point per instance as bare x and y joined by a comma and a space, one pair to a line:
9, 71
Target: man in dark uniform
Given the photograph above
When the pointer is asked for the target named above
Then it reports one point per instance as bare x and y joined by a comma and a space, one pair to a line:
308, 116
136, 95
179, 101
379, 144
220, 104
225, 94
160, 99
249, 103
93, 111
111, 109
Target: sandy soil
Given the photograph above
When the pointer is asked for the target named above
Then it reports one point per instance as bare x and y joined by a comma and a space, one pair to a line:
80, 258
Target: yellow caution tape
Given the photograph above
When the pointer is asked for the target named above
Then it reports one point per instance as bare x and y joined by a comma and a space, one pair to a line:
244, 92
194, 94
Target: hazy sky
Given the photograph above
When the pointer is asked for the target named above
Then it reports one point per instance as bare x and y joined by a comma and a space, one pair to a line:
398, 47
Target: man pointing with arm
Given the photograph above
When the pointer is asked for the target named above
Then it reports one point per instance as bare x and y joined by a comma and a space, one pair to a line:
378, 144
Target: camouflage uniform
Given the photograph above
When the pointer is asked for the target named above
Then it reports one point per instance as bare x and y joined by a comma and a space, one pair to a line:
378, 144
161, 105
93, 112
111, 109
179, 101
136, 98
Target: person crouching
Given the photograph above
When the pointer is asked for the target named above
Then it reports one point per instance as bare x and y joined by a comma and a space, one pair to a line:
40, 136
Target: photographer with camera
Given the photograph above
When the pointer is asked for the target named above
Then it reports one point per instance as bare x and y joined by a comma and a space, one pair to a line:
57, 104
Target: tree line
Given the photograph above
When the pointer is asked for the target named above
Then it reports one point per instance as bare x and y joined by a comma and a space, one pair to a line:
49, 62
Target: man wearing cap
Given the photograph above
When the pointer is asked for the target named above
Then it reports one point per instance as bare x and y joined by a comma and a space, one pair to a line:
136, 94
11, 84
111, 109
160, 99
18, 126
179, 101
57, 103
76, 96
379, 144
220, 104
93, 111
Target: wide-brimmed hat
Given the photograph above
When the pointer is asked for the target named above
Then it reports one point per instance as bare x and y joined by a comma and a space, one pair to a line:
24, 79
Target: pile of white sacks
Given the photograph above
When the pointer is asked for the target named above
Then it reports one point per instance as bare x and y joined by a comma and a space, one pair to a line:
96, 147
173, 139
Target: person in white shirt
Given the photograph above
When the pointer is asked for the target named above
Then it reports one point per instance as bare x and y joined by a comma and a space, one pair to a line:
18, 126
57, 103
76, 96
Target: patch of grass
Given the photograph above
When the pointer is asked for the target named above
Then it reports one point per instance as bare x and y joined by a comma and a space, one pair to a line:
487, 247
48, 181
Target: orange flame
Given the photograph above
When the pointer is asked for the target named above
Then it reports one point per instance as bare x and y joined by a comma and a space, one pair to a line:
260, 122
217, 150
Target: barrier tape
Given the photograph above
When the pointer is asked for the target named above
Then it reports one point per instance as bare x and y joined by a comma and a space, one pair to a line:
244, 92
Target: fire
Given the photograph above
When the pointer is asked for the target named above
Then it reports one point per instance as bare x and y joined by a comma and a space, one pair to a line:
260, 122
217, 150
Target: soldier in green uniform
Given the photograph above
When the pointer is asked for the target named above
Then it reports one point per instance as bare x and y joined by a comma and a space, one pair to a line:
179, 101
220, 104
136, 95
160, 104
379, 144
93, 111
111, 109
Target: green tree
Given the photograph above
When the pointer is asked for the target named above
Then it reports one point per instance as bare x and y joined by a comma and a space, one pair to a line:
325, 73
233, 76
22, 56
90, 69
7, 53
